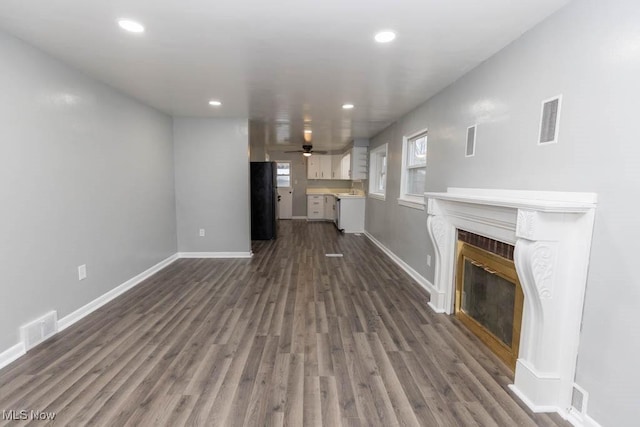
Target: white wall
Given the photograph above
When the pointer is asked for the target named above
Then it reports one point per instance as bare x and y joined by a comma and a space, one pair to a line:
590, 53
86, 177
212, 184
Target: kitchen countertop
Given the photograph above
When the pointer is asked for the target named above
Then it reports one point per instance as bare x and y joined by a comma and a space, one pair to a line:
341, 193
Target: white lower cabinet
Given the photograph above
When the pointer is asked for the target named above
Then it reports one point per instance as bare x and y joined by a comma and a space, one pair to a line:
330, 208
315, 206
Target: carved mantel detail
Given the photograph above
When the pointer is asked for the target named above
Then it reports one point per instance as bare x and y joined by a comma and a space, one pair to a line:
551, 232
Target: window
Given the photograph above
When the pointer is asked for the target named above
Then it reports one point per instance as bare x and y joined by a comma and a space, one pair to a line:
284, 174
378, 172
414, 170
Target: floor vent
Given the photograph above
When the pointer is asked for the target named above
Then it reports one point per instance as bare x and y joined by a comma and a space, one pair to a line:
334, 255
471, 141
550, 120
39, 330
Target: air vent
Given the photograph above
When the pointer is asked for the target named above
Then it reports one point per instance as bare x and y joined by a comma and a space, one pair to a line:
39, 330
578, 399
550, 120
471, 141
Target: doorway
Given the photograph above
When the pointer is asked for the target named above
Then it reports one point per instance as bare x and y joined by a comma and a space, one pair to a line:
285, 190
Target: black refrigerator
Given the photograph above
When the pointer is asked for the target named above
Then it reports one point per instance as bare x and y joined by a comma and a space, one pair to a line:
264, 200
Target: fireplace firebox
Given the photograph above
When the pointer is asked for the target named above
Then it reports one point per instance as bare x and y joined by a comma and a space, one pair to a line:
489, 300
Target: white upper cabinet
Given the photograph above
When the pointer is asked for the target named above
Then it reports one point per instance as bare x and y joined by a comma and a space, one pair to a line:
350, 165
319, 167
345, 166
336, 167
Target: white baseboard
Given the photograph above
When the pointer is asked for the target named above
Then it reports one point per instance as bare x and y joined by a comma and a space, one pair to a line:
298, 217
11, 354
534, 408
422, 281
581, 420
215, 254
72, 318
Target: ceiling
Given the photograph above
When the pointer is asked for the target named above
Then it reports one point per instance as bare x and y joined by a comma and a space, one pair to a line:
285, 64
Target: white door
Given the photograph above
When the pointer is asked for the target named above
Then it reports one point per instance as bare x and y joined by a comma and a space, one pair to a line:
285, 191
285, 203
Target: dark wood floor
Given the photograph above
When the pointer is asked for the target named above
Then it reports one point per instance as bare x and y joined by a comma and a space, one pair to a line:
289, 337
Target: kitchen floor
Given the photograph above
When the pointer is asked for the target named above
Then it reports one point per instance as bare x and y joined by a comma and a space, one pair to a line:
290, 336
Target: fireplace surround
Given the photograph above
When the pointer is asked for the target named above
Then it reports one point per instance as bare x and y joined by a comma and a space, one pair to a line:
551, 232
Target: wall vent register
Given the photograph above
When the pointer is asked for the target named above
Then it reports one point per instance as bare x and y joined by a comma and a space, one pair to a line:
549, 120
471, 141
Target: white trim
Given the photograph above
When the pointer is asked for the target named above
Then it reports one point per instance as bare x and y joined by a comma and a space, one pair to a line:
557, 130
403, 171
422, 281
581, 420
299, 217
375, 169
377, 196
415, 204
535, 408
11, 354
215, 254
83, 311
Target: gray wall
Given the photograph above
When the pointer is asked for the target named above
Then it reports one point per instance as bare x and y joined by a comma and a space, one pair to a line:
86, 177
590, 53
212, 184
300, 181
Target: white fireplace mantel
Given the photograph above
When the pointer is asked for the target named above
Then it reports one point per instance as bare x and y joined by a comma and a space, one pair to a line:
551, 232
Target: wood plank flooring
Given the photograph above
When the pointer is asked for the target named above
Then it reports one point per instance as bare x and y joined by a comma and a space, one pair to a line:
289, 337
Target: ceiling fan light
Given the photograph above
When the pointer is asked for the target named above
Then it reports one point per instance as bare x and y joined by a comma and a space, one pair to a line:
306, 154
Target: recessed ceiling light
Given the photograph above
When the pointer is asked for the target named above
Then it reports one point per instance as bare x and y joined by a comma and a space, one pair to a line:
347, 106
215, 103
385, 36
131, 26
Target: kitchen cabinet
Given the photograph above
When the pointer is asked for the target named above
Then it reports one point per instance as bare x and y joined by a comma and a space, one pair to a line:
336, 167
345, 166
313, 167
330, 207
315, 206
319, 167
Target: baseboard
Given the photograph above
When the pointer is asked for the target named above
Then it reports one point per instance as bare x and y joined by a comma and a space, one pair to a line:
298, 217
215, 254
581, 420
422, 281
83, 311
11, 354
534, 408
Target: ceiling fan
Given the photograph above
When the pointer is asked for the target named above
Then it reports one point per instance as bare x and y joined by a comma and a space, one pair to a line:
307, 150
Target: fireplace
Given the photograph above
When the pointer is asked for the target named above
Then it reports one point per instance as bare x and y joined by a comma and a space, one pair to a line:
489, 298
551, 233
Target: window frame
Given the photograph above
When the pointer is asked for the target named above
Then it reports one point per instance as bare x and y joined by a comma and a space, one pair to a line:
290, 172
374, 171
410, 200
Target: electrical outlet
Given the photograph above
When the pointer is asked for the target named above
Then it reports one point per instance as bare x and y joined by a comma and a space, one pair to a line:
429, 260
202, 232
82, 272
